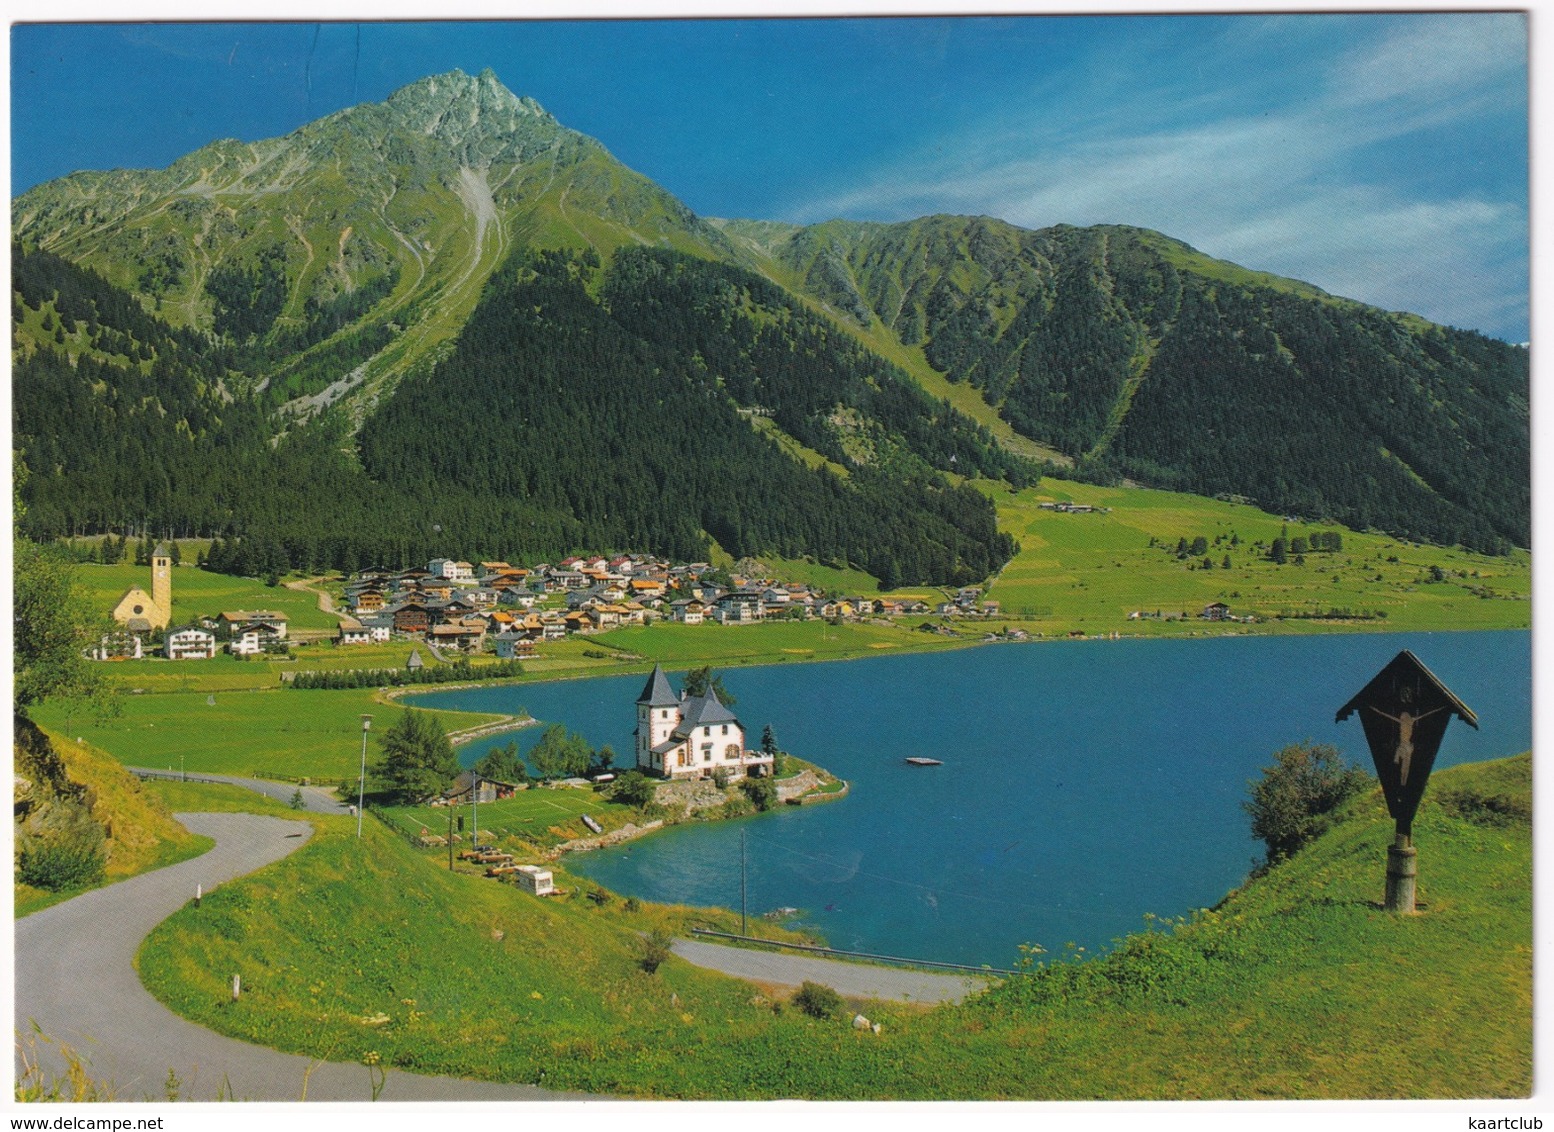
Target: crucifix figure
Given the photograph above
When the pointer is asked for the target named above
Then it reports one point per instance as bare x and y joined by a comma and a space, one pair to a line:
1404, 753
1405, 748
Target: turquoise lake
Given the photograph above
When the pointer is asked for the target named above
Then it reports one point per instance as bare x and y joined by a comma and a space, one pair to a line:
1084, 783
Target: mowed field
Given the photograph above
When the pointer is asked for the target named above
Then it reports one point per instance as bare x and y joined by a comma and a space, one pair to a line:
280, 732
1088, 572
772, 641
529, 815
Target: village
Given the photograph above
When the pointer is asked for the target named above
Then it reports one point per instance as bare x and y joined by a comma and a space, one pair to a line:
463, 608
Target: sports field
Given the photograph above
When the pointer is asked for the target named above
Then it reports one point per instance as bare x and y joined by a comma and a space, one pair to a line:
529, 814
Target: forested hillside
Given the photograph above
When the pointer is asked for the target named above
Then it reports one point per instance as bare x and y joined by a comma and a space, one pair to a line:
1139, 356
627, 424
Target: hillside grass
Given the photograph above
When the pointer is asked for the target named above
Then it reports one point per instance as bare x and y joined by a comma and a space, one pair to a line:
142, 834
1073, 574
280, 732
1297, 986
1087, 572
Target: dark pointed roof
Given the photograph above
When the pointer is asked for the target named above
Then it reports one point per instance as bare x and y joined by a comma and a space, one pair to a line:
698, 711
657, 692
1406, 668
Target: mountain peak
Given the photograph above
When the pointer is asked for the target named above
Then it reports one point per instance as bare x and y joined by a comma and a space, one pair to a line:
454, 105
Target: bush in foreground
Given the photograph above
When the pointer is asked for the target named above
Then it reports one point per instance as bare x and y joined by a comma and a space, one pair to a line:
1294, 801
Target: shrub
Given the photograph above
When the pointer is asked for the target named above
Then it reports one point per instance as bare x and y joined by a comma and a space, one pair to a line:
1293, 802
1499, 809
635, 789
720, 777
817, 1000
655, 949
62, 865
761, 791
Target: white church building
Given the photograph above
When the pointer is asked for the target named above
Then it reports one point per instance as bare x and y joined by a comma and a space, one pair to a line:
680, 736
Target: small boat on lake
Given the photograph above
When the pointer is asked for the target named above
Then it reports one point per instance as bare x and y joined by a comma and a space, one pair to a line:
919, 760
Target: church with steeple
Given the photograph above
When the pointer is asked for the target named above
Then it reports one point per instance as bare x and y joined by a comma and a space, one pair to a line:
141, 612
680, 736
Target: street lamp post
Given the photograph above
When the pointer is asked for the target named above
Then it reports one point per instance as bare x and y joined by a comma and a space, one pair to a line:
361, 783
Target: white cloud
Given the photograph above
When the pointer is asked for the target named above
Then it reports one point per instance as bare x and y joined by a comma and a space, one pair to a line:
1444, 61
1291, 190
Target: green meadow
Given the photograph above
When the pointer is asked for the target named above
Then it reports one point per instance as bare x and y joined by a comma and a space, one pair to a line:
279, 732
1088, 572
534, 816
1296, 986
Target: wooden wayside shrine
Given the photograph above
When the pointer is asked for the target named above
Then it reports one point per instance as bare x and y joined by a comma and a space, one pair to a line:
1404, 711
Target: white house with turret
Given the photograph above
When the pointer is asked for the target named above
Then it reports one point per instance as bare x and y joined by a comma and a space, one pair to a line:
680, 736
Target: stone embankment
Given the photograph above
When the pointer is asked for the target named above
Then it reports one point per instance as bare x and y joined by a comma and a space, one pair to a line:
614, 837
495, 727
804, 788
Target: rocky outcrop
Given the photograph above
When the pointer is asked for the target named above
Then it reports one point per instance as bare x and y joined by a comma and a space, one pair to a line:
614, 837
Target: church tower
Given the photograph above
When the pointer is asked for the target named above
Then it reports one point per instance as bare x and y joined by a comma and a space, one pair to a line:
139, 611
162, 583
658, 714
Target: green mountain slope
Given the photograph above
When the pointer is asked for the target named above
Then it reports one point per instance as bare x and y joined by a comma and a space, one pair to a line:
632, 414
247, 313
360, 240
1140, 356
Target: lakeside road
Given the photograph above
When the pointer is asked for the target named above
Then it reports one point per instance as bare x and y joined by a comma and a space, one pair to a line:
855, 980
76, 980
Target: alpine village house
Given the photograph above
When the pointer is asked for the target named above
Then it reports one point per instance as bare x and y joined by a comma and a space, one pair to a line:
680, 736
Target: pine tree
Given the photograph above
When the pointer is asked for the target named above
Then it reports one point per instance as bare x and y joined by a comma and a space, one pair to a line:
418, 760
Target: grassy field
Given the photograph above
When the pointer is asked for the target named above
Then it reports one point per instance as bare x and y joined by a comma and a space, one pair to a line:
766, 643
287, 733
1087, 572
531, 815
1297, 986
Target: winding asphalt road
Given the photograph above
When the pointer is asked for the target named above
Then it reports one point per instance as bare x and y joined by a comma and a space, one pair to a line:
76, 981
75, 977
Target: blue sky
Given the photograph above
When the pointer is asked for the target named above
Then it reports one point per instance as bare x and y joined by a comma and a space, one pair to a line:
1382, 156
